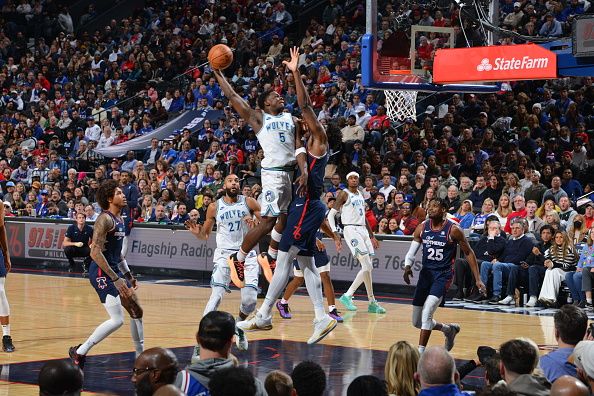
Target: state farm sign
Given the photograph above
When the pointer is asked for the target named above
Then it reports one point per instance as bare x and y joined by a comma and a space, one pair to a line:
494, 63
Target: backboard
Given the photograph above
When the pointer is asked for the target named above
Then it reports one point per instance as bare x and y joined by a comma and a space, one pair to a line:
398, 56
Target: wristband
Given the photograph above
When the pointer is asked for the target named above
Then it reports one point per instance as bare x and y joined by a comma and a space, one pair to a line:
299, 151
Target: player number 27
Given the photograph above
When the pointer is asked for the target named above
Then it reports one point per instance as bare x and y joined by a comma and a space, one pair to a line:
281, 136
435, 254
234, 226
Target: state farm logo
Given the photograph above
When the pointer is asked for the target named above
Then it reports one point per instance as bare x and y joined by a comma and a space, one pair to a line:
525, 63
484, 65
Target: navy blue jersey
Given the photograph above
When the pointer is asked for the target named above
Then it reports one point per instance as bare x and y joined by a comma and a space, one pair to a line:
113, 242
439, 251
315, 180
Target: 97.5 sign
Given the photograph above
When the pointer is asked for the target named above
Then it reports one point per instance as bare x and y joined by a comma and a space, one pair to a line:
44, 240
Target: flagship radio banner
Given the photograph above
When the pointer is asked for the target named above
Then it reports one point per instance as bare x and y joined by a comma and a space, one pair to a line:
179, 249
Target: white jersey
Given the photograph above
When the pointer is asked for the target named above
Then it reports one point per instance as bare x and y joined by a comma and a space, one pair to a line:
353, 210
277, 138
231, 225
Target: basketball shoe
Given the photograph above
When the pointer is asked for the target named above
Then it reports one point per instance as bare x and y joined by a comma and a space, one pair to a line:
450, 335
283, 310
321, 329
256, 323
268, 265
237, 270
7, 345
241, 340
374, 307
77, 359
347, 301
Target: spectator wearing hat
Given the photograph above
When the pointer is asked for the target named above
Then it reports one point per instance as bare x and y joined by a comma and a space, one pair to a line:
93, 131
514, 18
583, 359
233, 149
186, 155
9, 188
551, 27
535, 191
578, 157
589, 215
41, 208
464, 214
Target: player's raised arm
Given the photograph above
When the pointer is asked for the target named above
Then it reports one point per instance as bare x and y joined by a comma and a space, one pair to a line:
412, 252
457, 235
103, 225
4, 240
309, 116
203, 232
252, 117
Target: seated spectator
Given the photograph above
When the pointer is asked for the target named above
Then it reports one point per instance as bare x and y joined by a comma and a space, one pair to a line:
580, 280
215, 337
60, 377
537, 269
559, 259
478, 223
309, 379
535, 223
407, 223
278, 383
520, 211
153, 369
182, 214
399, 372
436, 372
367, 385
570, 328
519, 358
464, 214
566, 212
583, 359
234, 381
76, 242
160, 215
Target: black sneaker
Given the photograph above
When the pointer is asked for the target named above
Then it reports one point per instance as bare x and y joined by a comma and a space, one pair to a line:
7, 345
77, 359
459, 295
485, 353
495, 300
476, 297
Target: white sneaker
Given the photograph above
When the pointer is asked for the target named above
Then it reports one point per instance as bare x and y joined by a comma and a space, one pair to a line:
531, 302
195, 355
509, 300
256, 323
321, 329
450, 335
241, 340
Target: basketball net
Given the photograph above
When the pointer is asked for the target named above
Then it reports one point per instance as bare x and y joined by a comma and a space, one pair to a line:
401, 105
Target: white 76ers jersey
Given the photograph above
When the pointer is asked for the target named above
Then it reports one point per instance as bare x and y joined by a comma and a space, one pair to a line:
277, 138
353, 210
231, 225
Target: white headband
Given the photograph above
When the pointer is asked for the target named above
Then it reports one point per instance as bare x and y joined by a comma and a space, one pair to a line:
352, 174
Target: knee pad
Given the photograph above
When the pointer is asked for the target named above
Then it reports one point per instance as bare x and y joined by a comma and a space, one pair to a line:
249, 297
365, 261
417, 320
429, 308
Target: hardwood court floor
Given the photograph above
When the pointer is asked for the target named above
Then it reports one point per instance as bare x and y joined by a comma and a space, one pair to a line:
50, 313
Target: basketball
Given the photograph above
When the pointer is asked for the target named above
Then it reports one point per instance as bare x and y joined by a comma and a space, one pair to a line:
220, 57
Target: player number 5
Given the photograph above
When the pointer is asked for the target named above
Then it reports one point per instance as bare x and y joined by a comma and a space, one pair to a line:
281, 136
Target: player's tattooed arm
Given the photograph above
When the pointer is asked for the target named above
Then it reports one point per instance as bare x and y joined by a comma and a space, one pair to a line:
103, 225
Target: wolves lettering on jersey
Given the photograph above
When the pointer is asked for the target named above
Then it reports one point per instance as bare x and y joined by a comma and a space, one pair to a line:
277, 138
231, 225
439, 251
353, 210
113, 242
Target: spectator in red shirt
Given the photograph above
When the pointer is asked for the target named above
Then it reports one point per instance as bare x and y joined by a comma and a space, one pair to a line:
377, 125
236, 151
425, 49
407, 222
317, 97
520, 205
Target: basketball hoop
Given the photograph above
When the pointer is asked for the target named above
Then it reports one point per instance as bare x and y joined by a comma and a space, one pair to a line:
401, 105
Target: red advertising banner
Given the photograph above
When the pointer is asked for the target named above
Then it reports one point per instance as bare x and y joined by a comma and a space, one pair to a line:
494, 63
44, 240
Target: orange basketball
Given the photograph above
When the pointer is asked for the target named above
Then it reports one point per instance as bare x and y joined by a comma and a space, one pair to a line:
220, 57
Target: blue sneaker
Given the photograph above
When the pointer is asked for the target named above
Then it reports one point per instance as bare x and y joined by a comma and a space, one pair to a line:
347, 301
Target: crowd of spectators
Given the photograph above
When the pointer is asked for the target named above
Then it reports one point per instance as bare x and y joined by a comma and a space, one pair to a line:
514, 368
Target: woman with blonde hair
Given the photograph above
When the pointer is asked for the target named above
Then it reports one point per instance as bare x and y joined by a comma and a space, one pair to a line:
478, 224
503, 209
560, 258
577, 230
513, 186
552, 218
547, 205
401, 365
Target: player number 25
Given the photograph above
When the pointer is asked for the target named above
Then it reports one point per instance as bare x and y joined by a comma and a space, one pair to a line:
435, 254
281, 136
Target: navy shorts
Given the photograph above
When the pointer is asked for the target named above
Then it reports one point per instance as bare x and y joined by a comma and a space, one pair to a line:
303, 221
102, 283
2, 266
432, 283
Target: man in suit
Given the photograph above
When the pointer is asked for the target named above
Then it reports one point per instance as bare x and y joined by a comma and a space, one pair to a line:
152, 154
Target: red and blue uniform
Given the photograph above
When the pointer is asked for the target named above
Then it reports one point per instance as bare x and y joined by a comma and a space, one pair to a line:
439, 253
112, 251
306, 214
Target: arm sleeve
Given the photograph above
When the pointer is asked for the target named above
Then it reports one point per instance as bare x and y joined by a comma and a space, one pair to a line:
332, 219
412, 252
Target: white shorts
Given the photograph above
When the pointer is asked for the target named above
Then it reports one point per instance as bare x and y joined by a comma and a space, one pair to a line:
357, 237
221, 272
277, 192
